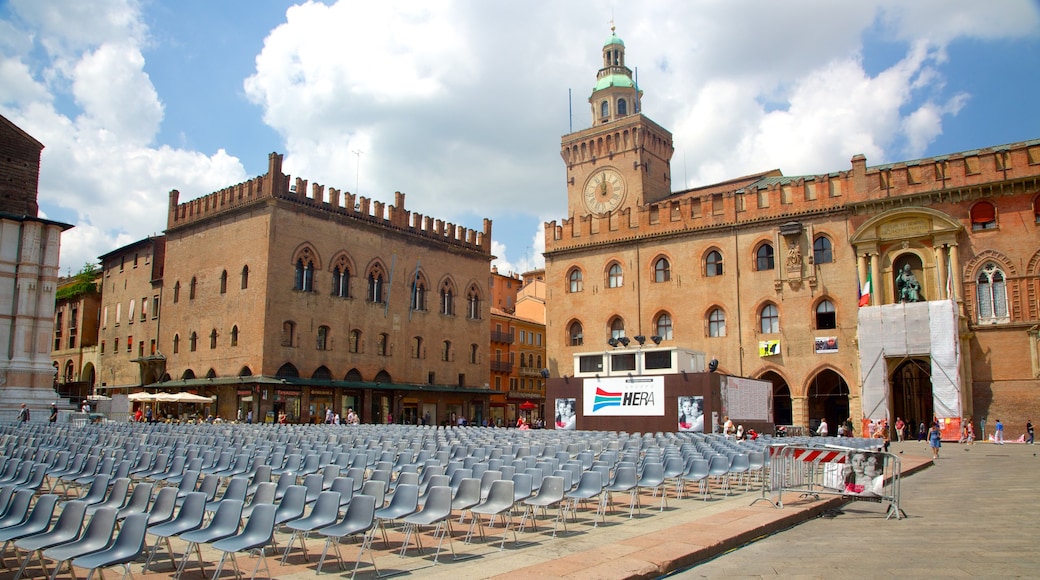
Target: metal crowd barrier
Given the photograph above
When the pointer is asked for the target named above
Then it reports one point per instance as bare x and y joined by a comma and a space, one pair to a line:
854, 473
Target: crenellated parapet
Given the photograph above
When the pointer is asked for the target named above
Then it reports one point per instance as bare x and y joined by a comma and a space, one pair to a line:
343, 205
772, 197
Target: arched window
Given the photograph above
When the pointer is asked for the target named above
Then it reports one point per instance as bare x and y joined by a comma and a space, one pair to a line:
234, 335
615, 278
375, 285
419, 293
473, 303
662, 270
176, 291
604, 109
713, 264
341, 281
716, 323
191, 288
323, 338
245, 277
983, 216
622, 107
288, 333
574, 280
474, 353
417, 351
825, 317
223, 282
576, 334
821, 250
769, 319
213, 339
193, 342
446, 350
991, 290
764, 257
304, 281
382, 346
617, 328
663, 326
447, 299
176, 343
354, 341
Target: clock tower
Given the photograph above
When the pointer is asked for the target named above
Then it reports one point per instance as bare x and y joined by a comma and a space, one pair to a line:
622, 161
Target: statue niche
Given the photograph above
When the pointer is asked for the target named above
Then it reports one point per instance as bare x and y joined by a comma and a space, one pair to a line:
908, 289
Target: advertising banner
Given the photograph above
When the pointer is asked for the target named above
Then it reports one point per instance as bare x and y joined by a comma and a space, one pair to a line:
623, 397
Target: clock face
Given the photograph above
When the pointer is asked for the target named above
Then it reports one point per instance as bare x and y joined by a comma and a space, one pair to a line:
604, 191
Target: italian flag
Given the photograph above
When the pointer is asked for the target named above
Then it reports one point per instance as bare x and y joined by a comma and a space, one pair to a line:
864, 295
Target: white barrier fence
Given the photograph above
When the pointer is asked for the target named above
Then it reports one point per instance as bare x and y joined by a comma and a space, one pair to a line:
859, 474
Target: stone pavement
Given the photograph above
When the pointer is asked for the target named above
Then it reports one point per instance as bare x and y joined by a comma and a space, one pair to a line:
687, 531
974, 514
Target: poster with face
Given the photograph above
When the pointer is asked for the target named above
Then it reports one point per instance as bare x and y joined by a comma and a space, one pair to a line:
865, 473
691, 414
565, 413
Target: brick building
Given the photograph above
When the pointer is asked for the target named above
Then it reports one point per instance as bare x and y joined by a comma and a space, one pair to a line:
518, 347
29, 249
764, 272
276, 301
77, 315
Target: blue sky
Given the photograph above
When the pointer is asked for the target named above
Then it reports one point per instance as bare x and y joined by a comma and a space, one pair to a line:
461, 105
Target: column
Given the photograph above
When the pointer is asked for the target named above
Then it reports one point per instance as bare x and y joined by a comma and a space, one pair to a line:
875, 275
955, 267
940, 266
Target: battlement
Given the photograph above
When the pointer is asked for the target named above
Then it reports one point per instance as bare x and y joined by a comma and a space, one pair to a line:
348, 206
770, 196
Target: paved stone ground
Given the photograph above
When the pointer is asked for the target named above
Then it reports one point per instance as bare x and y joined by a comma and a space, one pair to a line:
974, 514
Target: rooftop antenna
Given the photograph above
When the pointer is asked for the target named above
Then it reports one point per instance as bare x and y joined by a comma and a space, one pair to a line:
357, 172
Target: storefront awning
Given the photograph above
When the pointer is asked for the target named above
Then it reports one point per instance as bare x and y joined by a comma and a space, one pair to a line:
304, 382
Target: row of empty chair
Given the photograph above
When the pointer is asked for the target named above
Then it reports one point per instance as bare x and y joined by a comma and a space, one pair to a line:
96, 496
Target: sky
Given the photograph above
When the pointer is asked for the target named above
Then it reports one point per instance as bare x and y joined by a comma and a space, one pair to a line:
461, 105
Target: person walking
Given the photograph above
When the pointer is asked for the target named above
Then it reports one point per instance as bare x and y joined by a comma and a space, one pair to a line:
822, 431
921, 431
998, 436
54, 413
900, 425
23, 414
1029, 430
935, 440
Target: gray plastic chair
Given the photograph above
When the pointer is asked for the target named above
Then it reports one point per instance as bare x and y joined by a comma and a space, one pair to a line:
466, 497
590, 486
625, 480
95, 537
652, 478
126, 547
324, 513
98, 490
359, 519
404, 503
66, 529
260, 476
436, 511
376, 489
697, 472
345, 487
17, 509
550, 494
313, 483
163, 507
718, 467
264, 494
225, 523
37, 522
189, 517
236, 490
292, 505
257, 533
138, 502
499, 502
116, 498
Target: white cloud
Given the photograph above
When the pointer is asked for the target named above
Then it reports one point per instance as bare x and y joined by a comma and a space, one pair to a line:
460, 105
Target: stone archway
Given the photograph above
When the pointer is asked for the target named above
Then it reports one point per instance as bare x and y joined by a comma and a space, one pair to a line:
783, 409
911, 397
828, 398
